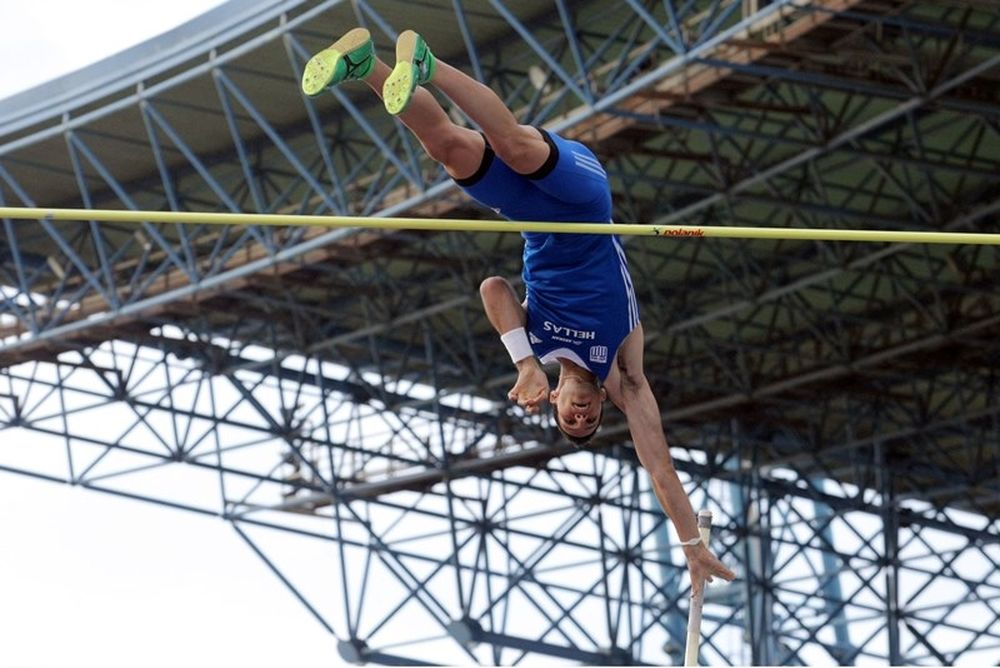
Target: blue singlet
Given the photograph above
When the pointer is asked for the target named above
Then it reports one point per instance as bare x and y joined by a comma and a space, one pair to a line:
580, 300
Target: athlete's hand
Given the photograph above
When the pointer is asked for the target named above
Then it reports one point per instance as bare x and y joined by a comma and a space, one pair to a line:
704, 566
531, 388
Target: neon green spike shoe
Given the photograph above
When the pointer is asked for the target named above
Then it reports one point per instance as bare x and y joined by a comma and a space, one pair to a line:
352, 57
415, 65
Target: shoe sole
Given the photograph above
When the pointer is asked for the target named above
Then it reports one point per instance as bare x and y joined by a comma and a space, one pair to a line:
320, 70
397, 91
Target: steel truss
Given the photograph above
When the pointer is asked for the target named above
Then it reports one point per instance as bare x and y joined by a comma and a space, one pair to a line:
835, 405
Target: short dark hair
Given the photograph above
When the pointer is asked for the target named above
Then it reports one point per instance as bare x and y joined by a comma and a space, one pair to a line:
580, 441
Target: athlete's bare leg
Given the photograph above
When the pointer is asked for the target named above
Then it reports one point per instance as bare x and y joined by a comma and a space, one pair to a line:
521, 147
352, 57
459, 149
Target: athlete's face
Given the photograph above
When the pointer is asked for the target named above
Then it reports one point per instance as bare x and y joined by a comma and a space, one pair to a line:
578, 406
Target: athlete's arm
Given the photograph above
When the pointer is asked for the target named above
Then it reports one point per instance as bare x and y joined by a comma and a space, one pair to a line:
630, 391
507, 315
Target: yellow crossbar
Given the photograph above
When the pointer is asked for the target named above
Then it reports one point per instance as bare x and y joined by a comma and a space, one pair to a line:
451, 224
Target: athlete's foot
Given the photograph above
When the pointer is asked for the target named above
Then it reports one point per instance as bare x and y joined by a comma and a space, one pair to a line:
415, 66
351, 57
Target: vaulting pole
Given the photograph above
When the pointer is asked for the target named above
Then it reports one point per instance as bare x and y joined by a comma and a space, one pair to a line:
694, 611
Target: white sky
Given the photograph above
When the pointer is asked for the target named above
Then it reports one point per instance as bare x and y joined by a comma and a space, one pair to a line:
43, 39
92, 580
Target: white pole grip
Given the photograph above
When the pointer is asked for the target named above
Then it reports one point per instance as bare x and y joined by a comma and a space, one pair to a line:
694, 611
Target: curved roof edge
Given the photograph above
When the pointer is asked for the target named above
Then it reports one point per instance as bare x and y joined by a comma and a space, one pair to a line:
127, 68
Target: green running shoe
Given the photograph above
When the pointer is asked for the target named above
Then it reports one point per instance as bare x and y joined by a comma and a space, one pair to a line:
352, 57
415, 65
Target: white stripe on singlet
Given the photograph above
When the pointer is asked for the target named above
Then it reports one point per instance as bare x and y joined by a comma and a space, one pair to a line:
588, 158
592, 170
633, 307
588, 163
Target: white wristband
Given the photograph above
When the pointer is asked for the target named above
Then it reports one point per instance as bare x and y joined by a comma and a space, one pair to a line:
516, 342
691, 542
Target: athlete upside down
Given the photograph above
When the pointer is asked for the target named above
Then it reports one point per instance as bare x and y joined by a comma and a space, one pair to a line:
579, 308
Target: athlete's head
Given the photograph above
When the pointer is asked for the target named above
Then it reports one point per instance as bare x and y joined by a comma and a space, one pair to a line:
579, 407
